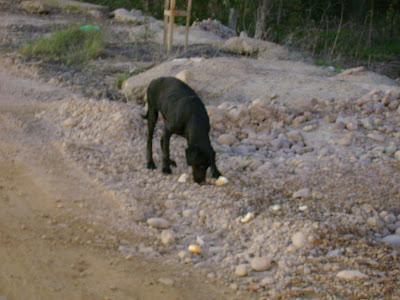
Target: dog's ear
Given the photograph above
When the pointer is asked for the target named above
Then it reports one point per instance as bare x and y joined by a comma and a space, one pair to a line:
192, 155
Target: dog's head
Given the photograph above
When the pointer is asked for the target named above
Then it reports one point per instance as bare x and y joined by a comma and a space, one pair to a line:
199, 161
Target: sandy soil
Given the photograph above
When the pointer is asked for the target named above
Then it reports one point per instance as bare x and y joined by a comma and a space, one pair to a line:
311, 155
50, 245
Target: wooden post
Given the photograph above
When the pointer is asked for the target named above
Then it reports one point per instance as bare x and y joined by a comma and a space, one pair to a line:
170, 13
171, 25
166, 7
188, 13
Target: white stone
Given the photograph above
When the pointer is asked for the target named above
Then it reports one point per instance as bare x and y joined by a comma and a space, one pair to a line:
221, 181
303, 207
159, 223
183, 178
166, 281
351, 275
299, 240
261, 264
124, 16
227, 139
69, 123
241, 270
302, 193
247, 218
167, 237
275, 207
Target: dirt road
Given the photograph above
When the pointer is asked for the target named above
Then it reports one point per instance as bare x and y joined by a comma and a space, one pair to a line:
55, 242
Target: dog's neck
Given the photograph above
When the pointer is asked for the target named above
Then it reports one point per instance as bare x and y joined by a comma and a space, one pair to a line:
196, 136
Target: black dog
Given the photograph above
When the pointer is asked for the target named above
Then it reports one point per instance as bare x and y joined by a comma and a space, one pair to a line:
184, 114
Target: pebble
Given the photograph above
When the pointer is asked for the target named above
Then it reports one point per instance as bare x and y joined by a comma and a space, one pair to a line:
261, 264
221, 181
397, 155
241, 270
269, 280
346, 140
299, 240
233, 286
166, 281
167, 237
352, 126
227, 139
392, 240
351, 275
374, 222
183, 178
309, 128
195, 249
247, 218
376, 137
302, 193
275, 207
303, 207
389, 218
159, 223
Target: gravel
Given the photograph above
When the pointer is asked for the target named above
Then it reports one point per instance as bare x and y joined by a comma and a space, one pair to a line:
315, 170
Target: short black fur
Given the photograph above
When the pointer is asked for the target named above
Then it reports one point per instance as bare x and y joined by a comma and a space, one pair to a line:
185, 115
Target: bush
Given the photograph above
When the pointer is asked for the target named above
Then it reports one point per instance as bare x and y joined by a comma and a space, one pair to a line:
70, 46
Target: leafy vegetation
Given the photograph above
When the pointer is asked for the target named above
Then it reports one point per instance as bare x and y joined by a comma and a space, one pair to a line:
335, 31
121, 78
70, 46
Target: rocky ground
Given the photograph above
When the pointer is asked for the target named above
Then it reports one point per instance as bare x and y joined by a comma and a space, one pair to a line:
311, 210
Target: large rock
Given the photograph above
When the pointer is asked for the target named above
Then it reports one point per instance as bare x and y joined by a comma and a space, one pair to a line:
251, 47
226, 79
215, 27
35, 7
45, 6
124, 16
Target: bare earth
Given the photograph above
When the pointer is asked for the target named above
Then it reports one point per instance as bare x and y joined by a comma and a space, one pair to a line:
49, 247
312, 155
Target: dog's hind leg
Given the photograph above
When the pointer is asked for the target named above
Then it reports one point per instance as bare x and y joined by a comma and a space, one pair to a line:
167, 162
152, 116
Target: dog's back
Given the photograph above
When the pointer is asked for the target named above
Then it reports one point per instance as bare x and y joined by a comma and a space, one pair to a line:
177, 102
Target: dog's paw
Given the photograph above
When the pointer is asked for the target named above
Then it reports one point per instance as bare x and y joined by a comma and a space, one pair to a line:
166, 170
216, 174
151, 165
172, 163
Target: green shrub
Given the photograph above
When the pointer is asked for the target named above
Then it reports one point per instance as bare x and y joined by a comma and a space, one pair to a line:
120, 79
70, 46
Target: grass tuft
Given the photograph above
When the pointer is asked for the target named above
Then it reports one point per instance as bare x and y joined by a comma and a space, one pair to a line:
71, 46
120, 79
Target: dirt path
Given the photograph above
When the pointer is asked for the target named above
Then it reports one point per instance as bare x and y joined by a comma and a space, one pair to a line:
55, 241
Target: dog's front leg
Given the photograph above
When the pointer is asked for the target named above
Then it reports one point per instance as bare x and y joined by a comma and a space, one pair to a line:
214, 170
167, 162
